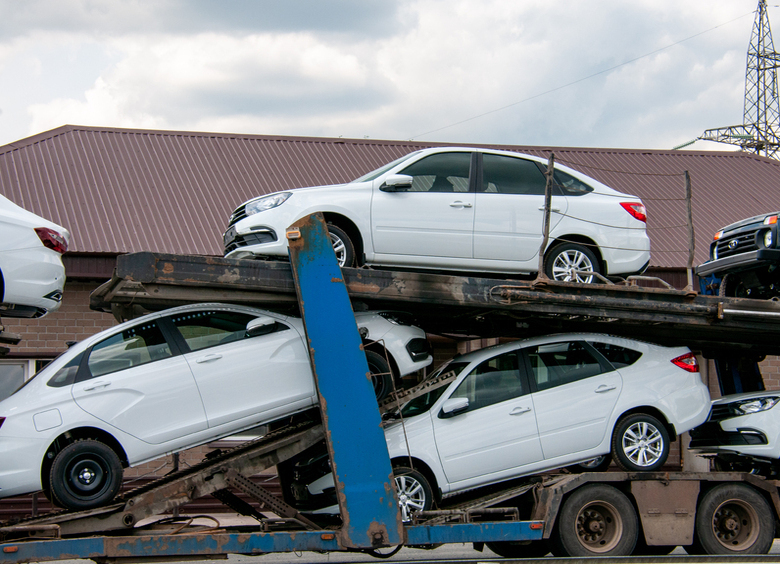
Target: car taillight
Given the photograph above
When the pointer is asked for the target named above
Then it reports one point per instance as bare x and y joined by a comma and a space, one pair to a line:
636, 210
687, 362
52, 240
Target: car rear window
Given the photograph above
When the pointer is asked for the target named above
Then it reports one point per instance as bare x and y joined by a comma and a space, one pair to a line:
617, 356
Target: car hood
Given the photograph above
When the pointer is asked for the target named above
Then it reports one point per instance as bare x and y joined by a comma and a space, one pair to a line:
745, 396
748, 221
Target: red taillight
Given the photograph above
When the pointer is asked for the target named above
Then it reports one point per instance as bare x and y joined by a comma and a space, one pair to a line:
636, 210
52, 240
687, 362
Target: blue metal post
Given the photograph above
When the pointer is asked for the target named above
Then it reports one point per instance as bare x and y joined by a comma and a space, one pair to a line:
356, 443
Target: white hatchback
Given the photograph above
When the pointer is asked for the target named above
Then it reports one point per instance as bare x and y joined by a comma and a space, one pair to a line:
166, 382
459, 209
31, 272
527, 407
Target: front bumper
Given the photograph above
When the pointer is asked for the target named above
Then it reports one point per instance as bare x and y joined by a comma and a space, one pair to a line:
742, 261
712, 435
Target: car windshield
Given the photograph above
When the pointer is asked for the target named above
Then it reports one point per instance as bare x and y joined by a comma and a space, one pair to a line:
384, 168
423, 403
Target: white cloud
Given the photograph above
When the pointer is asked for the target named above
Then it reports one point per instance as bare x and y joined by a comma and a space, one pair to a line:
535, 72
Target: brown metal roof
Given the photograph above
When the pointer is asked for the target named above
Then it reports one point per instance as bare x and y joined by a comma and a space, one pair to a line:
124, 190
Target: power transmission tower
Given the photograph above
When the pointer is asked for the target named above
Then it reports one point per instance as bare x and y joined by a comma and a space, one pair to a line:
760, 129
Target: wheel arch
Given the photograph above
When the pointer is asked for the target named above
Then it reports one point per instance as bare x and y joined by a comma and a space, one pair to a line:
377, 347
655, 412
350, 229
423, 468
581, 240
73, 435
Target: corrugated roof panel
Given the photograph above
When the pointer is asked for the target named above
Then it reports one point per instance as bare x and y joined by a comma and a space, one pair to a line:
123, 190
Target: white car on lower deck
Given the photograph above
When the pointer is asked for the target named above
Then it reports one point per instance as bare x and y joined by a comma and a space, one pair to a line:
166, 382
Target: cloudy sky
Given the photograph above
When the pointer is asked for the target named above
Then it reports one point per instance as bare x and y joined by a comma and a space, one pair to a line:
612, 73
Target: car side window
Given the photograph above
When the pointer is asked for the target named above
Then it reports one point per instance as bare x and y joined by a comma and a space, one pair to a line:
66, 375
561, 363
132, 347
511, 175
209, 328
492, 381
570, 185
617, 356
441, 172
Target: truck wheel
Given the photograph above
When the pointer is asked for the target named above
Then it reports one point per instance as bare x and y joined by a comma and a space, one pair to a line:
595, 520
414, 492
381, 374
565, 259
640, 443
734, 519
85, 474
510, 549
342, 246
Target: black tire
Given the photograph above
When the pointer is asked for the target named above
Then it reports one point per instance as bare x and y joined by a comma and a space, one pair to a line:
731, 286
598, 464
529, 549
342, 246
414, 492
84, 475
381, 374
734, 519
595, 520
565, 258
640, 443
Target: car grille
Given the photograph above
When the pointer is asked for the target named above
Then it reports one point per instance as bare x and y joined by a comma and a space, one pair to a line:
238, 215
741, 243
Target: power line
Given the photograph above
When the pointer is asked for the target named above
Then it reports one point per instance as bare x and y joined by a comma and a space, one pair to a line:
567, 85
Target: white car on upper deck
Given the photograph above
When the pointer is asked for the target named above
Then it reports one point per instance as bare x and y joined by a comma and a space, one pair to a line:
459, 209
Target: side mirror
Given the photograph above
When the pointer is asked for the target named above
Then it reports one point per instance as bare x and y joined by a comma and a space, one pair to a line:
260, 326
453, 406
396, 183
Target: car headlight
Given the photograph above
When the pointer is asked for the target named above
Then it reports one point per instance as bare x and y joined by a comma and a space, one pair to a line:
756, 405
768, 239
266, 203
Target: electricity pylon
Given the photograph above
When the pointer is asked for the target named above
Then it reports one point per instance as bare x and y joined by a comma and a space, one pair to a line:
760, 129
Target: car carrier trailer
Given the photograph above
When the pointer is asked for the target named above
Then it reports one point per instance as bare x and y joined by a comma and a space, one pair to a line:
591, 514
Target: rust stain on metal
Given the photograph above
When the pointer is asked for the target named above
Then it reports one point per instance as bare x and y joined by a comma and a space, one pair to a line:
231, 275
337, 280
363, 288
377, 532
168, 268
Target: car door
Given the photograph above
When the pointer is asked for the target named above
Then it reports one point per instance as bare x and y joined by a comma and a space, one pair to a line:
575, 395
136, 381
434, 217
497, 432
509, 209
241, 378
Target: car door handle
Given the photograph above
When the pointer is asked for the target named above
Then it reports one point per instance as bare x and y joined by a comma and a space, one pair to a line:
96, 385
519, 410
551, 209
460, 204
604, 388
208, 358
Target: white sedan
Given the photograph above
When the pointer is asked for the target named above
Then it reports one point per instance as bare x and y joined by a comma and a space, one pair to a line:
166, 382
31, 272
536, 405
460, 209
